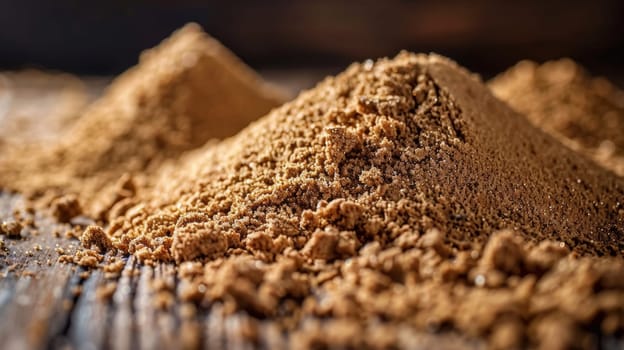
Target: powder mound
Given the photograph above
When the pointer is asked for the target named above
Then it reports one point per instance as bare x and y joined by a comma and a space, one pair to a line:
585, 113
398, 147
185, 91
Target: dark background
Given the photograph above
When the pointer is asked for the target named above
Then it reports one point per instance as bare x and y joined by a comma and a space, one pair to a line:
487, 36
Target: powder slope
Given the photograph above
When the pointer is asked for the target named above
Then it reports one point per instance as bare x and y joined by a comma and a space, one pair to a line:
381, 151
585, 113
182, 93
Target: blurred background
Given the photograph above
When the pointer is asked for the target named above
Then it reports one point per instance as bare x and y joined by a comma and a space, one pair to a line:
322, 36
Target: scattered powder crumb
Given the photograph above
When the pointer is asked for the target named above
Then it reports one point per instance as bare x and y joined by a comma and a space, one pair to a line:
106, 291
86, 258
76, 290
163, 300
28, 273
74, 232
29, 222
65, 208
11, 229
94, 236
115, 266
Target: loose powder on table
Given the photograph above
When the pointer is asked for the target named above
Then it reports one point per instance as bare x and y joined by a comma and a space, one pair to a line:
186, 91
585, 113
400, 192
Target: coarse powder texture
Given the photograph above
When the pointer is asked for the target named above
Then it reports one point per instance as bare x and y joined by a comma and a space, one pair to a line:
398, 194
585, 113
403, 145
182, 93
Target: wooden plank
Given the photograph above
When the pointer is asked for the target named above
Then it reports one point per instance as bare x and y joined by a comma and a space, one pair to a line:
123, 325
89, 319
28, 320
214, 331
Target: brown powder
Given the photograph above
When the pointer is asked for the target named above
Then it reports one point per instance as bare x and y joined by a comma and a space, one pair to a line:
585, 113
399, 193
11, 229
402, 145
65, 208
95, 236
181, 94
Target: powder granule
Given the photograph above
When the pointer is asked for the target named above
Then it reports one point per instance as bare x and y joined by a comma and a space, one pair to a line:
11, 229
407, 144
585, 113
187, 90
95, 236
392, 288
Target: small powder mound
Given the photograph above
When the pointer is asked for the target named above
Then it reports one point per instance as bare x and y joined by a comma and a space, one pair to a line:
406, 144
187, 90
585, 113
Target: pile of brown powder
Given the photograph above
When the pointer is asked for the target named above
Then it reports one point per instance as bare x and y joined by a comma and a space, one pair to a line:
585, 113
182, 93
400, 192
403, 145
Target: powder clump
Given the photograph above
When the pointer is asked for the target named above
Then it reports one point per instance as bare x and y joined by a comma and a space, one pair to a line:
95, 236
65, 208
11, 229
